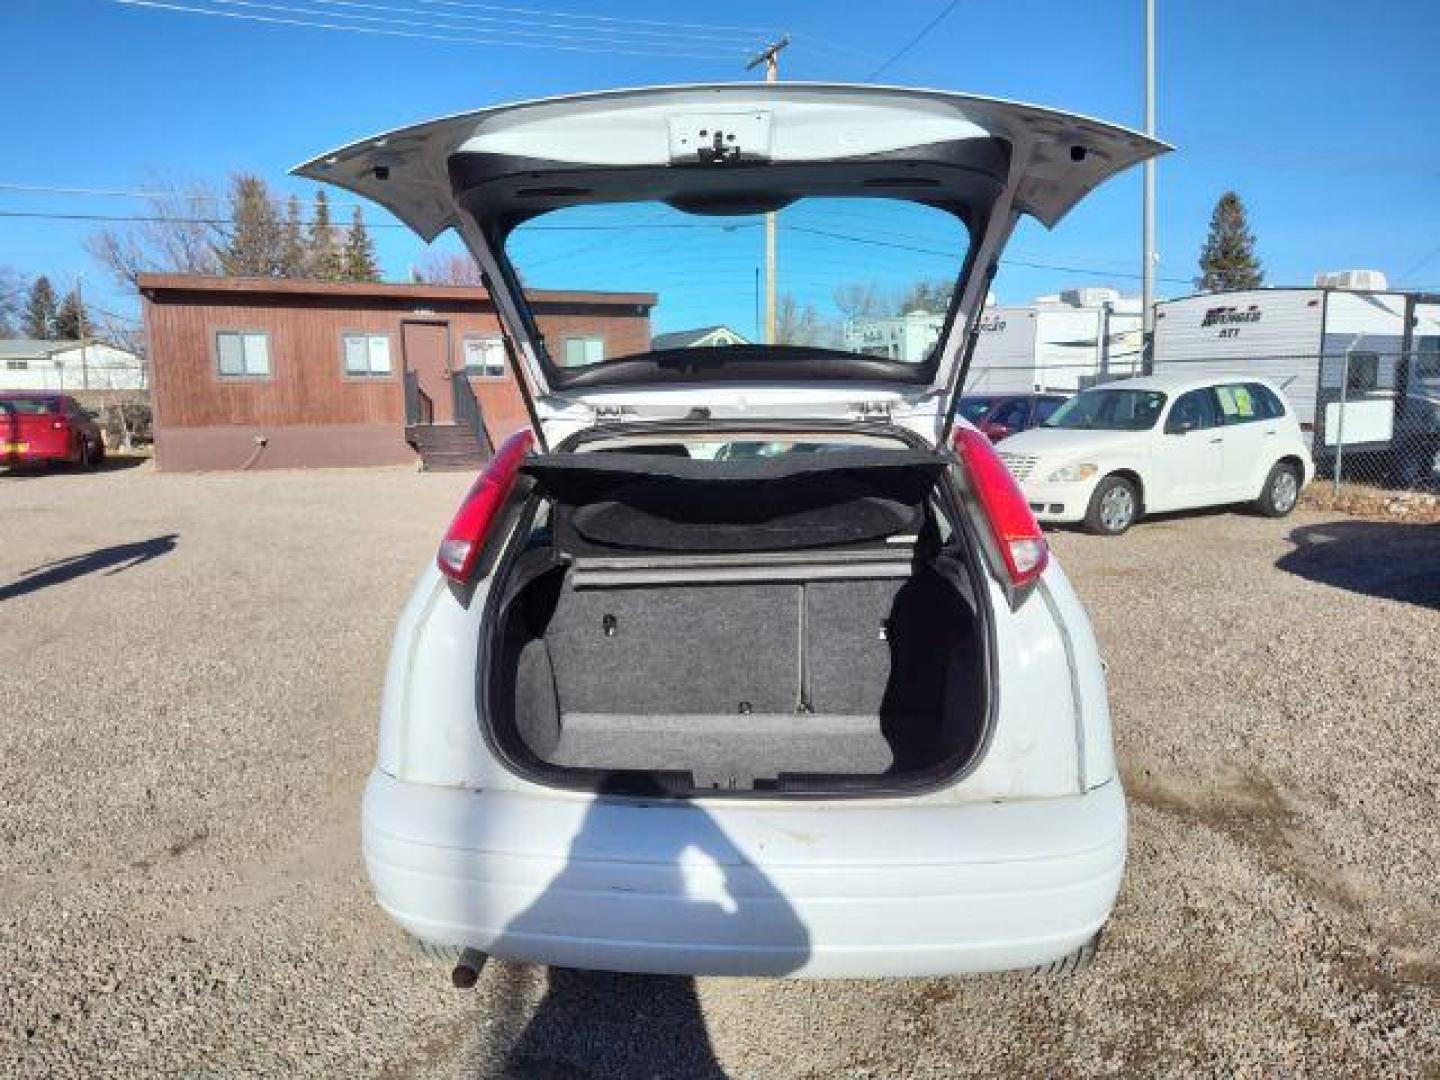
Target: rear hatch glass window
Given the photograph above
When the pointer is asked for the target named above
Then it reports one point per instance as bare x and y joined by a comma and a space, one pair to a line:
855, 276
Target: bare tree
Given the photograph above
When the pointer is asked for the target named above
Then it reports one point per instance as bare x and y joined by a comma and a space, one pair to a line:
12, 296
861, 300
177, 233
125, 407
799, 324
449, 268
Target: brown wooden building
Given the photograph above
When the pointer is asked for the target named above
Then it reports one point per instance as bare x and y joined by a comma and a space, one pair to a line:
268, 373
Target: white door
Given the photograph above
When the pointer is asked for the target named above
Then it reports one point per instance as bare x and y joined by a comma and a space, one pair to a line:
1251, 438
1189, 451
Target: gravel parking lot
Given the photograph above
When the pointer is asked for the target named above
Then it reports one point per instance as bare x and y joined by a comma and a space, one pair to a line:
189, 675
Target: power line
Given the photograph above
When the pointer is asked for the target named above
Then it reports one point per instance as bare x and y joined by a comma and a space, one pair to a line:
157, 219
47, 189
623, 19
1423, 261
318, 21
549, 21
660, 226
1007, 262
545, 30
924, 31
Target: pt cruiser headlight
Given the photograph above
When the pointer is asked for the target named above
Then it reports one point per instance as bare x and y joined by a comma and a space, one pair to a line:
1070, 473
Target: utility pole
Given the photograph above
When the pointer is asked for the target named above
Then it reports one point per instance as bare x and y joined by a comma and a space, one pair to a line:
1149, 256
770, 57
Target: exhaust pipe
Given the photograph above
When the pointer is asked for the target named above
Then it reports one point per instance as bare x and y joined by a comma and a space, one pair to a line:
467, 969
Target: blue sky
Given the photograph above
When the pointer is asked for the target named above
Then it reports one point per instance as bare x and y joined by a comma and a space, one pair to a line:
1324, 115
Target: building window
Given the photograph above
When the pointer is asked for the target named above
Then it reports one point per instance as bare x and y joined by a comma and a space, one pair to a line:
366, 354
17, 365
580, 351
243, 353
484, 356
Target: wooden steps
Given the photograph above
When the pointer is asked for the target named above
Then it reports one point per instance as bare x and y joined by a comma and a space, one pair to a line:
446, 447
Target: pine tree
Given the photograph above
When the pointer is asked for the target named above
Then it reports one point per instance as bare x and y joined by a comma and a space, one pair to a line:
1228, 261
360, 262
294, 258
41, 312
70, 322
326, 262
253, 247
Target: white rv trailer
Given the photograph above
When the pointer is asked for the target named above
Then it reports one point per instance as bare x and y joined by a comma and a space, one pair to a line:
1300, 338
1058, 343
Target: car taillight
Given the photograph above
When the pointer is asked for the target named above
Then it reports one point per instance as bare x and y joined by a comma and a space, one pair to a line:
1016, 532
466, 535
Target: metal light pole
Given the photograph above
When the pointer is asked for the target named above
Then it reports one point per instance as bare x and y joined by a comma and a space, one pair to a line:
770, 57
1149, 257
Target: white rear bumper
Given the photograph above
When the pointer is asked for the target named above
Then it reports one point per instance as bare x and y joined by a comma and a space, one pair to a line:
872, 888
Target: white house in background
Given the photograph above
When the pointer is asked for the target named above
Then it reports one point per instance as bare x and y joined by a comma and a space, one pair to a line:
703, 337
28, 364
906, 337
1066, 342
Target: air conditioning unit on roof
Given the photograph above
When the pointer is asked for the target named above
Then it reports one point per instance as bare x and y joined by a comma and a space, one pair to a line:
1360, 280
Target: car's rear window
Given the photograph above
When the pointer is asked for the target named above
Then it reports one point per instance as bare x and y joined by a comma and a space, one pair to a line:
28, 406
869, 277
973, 409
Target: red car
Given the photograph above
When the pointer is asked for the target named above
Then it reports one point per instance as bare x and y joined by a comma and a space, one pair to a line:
41, 426
1000, 415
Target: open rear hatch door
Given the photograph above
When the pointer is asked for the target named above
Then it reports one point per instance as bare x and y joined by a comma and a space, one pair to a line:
731, 154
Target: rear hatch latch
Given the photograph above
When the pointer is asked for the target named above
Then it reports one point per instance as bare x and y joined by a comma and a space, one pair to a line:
614, 414
875, 412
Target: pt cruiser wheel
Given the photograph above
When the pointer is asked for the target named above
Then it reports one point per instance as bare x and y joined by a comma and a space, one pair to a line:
1281, 493
1114, 507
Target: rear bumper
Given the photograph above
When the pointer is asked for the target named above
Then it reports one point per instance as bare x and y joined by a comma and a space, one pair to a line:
34, 446
882, 888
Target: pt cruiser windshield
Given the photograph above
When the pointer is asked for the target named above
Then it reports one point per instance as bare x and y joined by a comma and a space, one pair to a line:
1109, 410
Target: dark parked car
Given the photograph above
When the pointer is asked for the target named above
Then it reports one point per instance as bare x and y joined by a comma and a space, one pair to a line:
999, 415
41, 426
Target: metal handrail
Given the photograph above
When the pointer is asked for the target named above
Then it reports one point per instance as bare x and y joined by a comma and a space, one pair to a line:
467, 409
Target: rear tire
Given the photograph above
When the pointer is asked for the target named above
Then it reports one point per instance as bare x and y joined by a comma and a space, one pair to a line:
1114, 507
1072, 963
1281, 491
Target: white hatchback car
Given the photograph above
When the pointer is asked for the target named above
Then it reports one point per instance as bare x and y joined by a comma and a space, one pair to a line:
746, 659
1160, 443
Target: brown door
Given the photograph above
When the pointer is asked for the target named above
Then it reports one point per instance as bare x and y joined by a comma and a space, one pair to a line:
426, 348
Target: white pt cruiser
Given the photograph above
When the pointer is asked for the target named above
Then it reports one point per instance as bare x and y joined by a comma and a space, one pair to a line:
746, 658
1158, 443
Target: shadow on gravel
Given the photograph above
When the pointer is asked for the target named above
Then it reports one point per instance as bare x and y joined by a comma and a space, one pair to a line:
11, 470
693, 886
112, 560
1385, 559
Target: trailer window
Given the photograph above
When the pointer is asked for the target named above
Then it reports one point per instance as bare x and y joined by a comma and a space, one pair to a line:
1364, 372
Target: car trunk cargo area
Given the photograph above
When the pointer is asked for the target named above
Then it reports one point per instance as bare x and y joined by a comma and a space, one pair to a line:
703, 626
